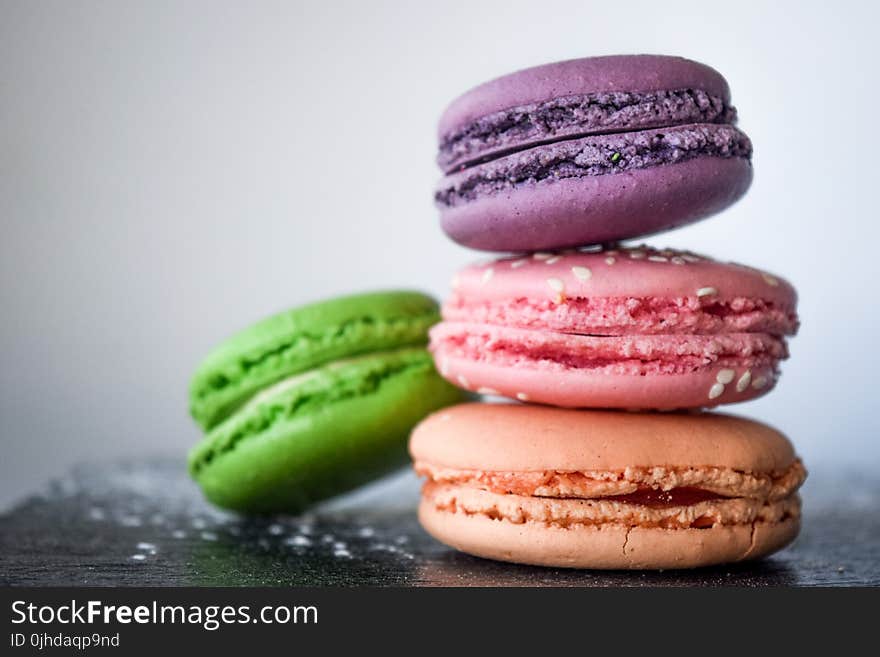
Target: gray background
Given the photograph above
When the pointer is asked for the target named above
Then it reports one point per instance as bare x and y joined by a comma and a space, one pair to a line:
170, 172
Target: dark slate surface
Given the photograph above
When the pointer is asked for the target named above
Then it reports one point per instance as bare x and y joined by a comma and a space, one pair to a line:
146, 524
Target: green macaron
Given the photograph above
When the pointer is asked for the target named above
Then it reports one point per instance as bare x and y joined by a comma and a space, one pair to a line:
315, 401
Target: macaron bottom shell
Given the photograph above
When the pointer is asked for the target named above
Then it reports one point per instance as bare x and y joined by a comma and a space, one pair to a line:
578, 388
594, 209
320, 434
605, 547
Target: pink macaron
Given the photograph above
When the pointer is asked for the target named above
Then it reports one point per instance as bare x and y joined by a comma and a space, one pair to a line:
634, 328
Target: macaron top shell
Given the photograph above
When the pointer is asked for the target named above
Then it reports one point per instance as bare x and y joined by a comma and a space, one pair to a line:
610, 89
524, 438
633, 73
301, 339
618, 272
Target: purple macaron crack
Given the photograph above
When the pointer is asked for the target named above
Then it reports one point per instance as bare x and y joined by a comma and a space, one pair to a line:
575, 116
593, 156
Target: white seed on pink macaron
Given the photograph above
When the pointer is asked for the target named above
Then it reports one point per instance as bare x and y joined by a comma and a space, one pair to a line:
463, 382
553, 260
610, 260
636, 255
744, 381
677, 260
759, 382
581, 273
542, 256
518, 263
725, 376
658, 258
772, 281
444, 366
558, 287
707, 292
487, 391
716, 390
522, 396
687, 257
487, 276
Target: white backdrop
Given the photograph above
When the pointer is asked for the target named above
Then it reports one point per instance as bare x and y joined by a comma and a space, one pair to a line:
170, 172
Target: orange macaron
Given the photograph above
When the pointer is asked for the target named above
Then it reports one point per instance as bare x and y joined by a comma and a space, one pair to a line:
606, 489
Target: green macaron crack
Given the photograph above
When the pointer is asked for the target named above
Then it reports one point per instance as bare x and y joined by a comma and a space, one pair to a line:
308, 393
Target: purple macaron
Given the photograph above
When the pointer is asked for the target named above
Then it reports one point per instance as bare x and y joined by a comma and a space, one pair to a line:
588, 151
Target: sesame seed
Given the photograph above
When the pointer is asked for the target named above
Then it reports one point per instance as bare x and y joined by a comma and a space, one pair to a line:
725, 376
487, 276
744, 381
687, 257
444, 366
542, 256
556, 284
553, 260
610, 260
759, 382
770, 280
677, 260
581, 273
488, 391
518, 263
716, 390
658, 258
445, 417
636, 255
522, 396
463, 382
612, 252
706, 291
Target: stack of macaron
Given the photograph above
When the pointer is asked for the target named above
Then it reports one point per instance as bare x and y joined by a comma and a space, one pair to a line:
612, 351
